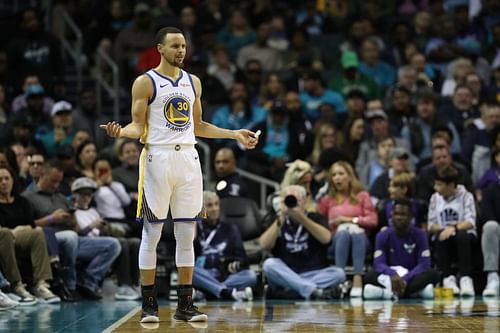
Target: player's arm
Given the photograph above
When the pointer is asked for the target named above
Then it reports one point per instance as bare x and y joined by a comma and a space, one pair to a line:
142, 91
207, 130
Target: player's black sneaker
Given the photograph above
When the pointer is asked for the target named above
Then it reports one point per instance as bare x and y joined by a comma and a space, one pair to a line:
186, 311
149, 306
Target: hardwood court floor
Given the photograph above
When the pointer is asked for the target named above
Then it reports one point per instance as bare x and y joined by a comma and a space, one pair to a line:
466, 315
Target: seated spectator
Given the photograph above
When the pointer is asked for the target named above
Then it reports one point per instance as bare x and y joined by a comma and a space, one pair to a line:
486, 162
355, 101
315, 94
271, 59
441, 158
350, 215
401, 111
418, 132
33, 112
239, 113
273, 91
96, 254
91, 224
237, 33
229, 183
222, 68
452, 224
221, 267
298, 240
112, 200
352, 79
86, 155
461, 112
376, 167
372, 66
80, 137
62, 131
398, 164
20, 102
354, 131
490, 239
492, 175
128, 172
478, 135
326, 137
402, 259
35, 163
301, 48
379, 125
22, 129
459, 69
66, 156
19, 239
402, 186
299, 124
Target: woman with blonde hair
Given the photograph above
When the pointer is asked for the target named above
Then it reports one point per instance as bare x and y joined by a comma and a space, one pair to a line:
350, 214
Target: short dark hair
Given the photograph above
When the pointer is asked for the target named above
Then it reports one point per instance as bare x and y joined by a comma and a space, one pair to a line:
163, 32
402, 202
127, 141
448, 174
52, 164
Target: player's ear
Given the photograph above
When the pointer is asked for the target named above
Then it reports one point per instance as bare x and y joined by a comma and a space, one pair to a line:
159, 47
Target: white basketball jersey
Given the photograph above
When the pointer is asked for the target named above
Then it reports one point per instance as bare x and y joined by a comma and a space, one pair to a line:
170, 114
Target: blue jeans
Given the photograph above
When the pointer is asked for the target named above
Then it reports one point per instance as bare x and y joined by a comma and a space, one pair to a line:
97, 254
343, 241
206, 279
3, 281
279, 275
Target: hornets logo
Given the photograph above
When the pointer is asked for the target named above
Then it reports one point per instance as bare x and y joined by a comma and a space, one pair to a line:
177, 112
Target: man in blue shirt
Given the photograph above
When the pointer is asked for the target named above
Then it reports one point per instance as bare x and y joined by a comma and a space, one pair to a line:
315, 94
402, 260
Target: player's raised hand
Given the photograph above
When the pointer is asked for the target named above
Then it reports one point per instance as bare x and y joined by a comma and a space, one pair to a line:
112, 129
247, 138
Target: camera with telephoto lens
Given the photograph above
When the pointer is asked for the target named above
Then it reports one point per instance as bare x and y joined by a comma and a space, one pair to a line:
291, 201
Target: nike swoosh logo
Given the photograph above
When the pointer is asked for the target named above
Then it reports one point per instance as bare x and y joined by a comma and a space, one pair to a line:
164, 85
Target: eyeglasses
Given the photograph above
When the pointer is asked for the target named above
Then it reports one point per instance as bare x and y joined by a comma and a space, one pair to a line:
35, 163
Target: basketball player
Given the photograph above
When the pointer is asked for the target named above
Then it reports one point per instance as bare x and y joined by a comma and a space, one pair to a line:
166, 116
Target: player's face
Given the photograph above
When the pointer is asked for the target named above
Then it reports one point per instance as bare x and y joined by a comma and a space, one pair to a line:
173, 49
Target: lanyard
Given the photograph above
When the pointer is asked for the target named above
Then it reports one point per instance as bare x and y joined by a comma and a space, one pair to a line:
205, 243
297, 233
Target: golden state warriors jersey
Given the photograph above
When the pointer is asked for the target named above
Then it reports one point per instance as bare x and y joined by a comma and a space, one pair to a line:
169, 118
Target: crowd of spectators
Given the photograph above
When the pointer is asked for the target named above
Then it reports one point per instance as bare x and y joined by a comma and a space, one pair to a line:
382, 119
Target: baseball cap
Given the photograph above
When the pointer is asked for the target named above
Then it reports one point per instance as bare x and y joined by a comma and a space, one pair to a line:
34, 90
373, 114
349, 59
83, 183
61, 106
400, 152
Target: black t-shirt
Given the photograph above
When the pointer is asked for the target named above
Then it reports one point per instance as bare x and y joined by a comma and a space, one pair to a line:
20, 212
298, 248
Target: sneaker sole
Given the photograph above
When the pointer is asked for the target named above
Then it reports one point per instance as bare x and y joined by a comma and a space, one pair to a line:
127, 298
198, 318
150, 319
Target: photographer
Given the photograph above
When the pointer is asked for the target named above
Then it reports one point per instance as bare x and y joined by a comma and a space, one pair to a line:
299, 241
221, 267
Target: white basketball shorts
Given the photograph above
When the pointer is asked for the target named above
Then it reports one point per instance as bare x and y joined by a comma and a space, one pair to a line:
170, 178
